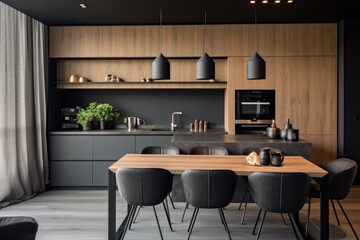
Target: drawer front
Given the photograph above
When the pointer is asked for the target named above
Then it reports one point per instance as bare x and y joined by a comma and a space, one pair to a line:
112, 147
71, 148
100, 173
71, 174
145, 141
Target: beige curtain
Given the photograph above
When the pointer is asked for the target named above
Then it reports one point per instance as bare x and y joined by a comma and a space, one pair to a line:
23, 70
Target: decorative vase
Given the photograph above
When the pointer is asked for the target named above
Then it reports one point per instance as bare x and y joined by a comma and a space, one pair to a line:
273, 132
277, 158
292, 135
283, 131
264, 156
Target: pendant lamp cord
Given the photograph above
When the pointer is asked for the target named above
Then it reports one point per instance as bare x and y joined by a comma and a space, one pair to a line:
255, 28
205, 28
160, 26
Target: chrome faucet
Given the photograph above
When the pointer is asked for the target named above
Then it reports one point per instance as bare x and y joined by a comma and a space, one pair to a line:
173, 125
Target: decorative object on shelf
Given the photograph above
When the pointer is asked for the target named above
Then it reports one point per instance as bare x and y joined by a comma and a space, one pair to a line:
160, 66
74, 78
256, 66
83, 79
264, 156
84, 117
253, 159
273, 132
205, 66
112, 78
283, 131
277, 158
292, 134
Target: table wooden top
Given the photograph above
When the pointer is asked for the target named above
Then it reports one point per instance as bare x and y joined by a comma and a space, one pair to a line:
177, 164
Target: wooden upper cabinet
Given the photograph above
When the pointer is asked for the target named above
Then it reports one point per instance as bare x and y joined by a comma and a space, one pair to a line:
181, 41
306, 40
74, 41
220, 40
250, 38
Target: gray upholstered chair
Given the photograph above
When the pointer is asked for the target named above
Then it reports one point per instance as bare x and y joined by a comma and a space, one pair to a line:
279, 193
208, 150
205, 150
342, 172
144, 187
247, 151
161, 150
209, 189
18, 228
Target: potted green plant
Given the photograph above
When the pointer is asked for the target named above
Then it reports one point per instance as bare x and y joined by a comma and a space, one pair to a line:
84, 118
104, 113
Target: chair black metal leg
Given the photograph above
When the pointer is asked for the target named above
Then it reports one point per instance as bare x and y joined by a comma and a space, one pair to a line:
243, 215
308, 219
247, 191
282, 216
293, 227
171, 201
222, 219
347, 219
261, 225
296, 226
130, 217
257, 220
192, 219
225, 223
133, 216
186, 206
168, 216
157, 220
136, 215
337, 218
193, 222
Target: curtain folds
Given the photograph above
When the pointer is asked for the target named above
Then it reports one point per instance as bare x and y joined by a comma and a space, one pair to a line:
23, 70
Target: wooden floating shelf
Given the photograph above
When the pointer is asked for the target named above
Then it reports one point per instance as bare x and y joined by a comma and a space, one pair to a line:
145, 85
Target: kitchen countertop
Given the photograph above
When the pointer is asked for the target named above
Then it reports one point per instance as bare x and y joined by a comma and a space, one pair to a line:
236, 143
146, 131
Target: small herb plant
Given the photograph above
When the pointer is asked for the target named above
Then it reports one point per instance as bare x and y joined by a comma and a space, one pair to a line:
84, 117
103, 111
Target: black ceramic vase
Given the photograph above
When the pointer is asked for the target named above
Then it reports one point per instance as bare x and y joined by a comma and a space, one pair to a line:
264, 156
277, 158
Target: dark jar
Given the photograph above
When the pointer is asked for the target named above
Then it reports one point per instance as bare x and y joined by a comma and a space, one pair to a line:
277, 158
264, 156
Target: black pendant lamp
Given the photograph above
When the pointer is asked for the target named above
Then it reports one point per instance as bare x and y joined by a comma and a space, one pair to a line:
205, 66
256, 65
160, 66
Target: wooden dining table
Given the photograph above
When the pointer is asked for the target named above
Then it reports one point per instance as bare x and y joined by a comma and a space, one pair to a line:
177, 164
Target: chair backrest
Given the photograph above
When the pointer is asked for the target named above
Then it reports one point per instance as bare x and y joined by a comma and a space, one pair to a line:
18, 228
161, 150
342, 172
279, 192
208, 150
209, 188
247, 151
144, 186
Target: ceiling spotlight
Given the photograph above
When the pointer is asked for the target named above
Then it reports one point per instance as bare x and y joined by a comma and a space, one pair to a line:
265, 1
83, 5
277, 1
290, 1
252, 1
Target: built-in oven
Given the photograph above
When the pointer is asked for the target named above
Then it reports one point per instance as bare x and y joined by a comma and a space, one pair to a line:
254, 111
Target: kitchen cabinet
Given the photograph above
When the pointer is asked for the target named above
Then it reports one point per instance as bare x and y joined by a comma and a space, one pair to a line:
82, 161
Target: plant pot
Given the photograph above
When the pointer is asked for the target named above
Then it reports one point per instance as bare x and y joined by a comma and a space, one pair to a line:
88, 127
103, 124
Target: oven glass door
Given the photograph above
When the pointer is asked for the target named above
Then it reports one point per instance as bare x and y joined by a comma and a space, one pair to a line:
255, 110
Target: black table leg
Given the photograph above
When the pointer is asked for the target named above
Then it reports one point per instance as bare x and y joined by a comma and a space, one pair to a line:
111, 206
324, 208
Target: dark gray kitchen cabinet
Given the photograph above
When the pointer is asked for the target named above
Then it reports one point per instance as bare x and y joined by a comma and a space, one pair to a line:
71, 148
112, 147
100, 173
71, 173
144, 141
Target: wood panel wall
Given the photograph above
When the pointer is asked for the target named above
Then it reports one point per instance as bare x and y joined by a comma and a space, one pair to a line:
301, 65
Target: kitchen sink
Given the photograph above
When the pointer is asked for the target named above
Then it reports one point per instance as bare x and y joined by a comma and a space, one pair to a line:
168, 130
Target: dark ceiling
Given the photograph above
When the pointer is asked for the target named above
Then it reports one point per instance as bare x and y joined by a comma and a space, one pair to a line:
144, 12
